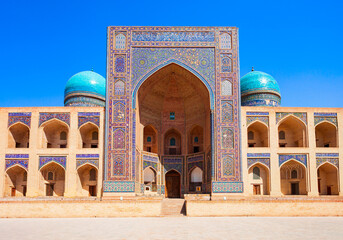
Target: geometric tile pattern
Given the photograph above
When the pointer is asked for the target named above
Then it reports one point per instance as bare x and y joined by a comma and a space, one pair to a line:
321, 119
301, 116
119, 186
321, 161
257, 113
82, 159
175, 163
227, 187
17, 159
228, 164
302, 158
227, 111
195, 161
227, 138
60, 160
84, 117
23, 117
264, 161
263, 119
64, 117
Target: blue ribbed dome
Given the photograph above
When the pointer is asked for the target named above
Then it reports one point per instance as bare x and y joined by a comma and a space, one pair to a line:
86, 82
258, 81
259, 89
85, 88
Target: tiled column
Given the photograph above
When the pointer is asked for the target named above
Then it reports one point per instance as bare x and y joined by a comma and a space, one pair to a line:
275, 181
340, 144
312, 180
3, 129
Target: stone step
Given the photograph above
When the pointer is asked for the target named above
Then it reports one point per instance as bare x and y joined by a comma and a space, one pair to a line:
173, 207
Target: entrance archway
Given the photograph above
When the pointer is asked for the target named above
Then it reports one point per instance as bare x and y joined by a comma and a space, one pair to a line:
173, 184
177, 104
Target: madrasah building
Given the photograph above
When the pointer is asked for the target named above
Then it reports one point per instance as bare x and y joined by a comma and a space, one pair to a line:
172, 119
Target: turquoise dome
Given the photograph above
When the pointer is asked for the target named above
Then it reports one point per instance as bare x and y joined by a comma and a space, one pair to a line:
85, 88
258, 81
259, 89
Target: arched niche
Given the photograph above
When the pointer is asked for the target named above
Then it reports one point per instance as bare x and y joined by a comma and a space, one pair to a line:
293, 178
15, 181
196, 139
327, 175
150, 141
195, 179
172, 142
18, 136
89, 136
258, 135
150, 180
52, 180
326, 135
54, 134
259, 180
87, 181
295, 132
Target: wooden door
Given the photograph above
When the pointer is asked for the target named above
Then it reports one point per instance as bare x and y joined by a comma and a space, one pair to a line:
257, 189
173, 184
24, 190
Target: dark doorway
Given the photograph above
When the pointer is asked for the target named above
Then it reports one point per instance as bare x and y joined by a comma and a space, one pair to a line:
13, 190
173, 184
50, 190
24, 190
92, 191
328, 190
295, 188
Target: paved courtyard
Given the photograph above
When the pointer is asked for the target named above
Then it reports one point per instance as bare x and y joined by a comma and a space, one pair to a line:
173, 228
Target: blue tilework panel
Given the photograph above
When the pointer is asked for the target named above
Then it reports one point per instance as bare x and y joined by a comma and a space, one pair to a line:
82, 159
301, 115
321, 161
264, 161
173, 36
227, 187
60, 160
17, 159
64, 117
302, 158
145, 60
85, 117
119, 186
23, 117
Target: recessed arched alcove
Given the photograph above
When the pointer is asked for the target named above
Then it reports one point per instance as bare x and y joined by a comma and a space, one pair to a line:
292, 132
326, 135
18, 136
258, 135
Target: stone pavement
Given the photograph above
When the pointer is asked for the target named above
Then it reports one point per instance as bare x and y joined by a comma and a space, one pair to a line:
173, 228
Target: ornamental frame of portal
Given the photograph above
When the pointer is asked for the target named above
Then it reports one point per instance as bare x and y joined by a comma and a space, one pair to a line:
134, 54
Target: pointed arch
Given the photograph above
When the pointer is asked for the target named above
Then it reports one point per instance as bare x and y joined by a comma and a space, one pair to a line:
85, 164
173, 61
16, 165
327, 162
294, 160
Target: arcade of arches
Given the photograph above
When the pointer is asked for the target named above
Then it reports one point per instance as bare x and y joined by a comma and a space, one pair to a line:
173, 119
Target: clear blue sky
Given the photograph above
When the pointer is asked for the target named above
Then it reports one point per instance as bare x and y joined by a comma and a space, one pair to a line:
43, 43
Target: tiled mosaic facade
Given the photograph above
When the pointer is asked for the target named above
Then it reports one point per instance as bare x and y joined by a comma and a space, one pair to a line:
302, 158
134, 54
82, 159
23, 117
64, 117
85, 117
325, 117
60, 160
17, 159
322, 158
300, 115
